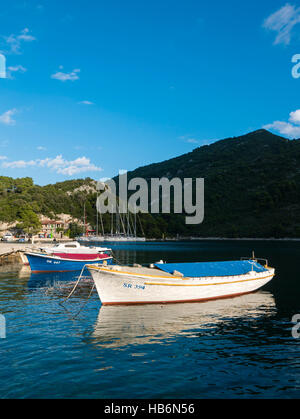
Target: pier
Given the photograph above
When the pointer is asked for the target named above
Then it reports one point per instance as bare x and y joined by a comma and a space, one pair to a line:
14, 253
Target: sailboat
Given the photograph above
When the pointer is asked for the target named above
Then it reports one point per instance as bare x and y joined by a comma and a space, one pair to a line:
123, 229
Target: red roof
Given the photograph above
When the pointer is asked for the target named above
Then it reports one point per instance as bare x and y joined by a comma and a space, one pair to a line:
51, 222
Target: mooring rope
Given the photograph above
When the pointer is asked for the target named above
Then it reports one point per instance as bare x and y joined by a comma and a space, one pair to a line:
85, 303
75, 286
80, 277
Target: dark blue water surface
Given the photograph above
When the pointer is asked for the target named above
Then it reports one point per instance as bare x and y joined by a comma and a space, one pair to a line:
241, 347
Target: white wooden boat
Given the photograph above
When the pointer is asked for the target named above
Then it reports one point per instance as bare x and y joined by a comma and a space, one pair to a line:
179, 282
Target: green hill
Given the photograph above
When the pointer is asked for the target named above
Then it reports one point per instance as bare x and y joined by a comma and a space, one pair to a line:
252, 186
252, 189
21, 200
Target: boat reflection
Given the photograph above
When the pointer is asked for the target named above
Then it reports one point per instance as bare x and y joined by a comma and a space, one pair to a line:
119, 326
52, 279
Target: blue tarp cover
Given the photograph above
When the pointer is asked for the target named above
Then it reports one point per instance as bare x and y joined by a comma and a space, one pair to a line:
199, 269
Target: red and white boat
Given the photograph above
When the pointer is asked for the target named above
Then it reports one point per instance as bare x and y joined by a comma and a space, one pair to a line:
65, 257
75, 251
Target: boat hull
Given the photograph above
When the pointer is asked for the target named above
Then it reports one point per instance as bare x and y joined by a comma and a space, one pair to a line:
81, 256
44, 263
119, 288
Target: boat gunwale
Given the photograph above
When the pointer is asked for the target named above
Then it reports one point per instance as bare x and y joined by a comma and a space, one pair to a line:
211, 284
137, 275
36, 254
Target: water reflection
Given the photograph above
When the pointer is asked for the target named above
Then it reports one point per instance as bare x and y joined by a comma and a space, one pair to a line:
51, 279
119, 326
13, 281
24, 272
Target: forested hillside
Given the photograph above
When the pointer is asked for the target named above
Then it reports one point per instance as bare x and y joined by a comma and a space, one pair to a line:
22, 201
252, 186
252, 189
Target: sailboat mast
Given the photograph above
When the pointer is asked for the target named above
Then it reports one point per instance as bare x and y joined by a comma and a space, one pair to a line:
97, 229
84, 217
117, 221
127, 222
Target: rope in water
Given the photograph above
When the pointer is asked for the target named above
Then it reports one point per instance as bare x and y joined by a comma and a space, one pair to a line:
75, 286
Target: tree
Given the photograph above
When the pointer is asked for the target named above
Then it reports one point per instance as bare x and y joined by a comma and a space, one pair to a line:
30, 221
74, 230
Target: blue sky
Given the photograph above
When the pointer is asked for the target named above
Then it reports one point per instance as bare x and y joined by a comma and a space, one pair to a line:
95, 86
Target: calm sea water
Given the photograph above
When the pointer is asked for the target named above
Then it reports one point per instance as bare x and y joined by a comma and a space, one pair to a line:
241, 347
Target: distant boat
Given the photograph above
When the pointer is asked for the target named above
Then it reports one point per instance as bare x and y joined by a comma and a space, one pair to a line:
123, 229
66, 257
178, 282
123, 238
90, 239
110, 238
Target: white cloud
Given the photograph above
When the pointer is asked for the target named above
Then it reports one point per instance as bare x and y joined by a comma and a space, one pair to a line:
41, 148
295, 117
3, 158
19, 164
14, 42
65, 167
85, 102
188, 139
15, 69
282, 22
7, 117
291, 129
25, 36
192, 141
284, 128
72, 76
57, 164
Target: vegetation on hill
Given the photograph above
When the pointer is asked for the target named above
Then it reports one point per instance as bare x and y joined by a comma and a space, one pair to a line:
252, 189
22, 201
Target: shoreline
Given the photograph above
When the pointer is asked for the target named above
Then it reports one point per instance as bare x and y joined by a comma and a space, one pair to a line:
225, 239
16, 246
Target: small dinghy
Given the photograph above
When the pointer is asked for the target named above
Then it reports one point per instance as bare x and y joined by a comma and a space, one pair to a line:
178, 282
